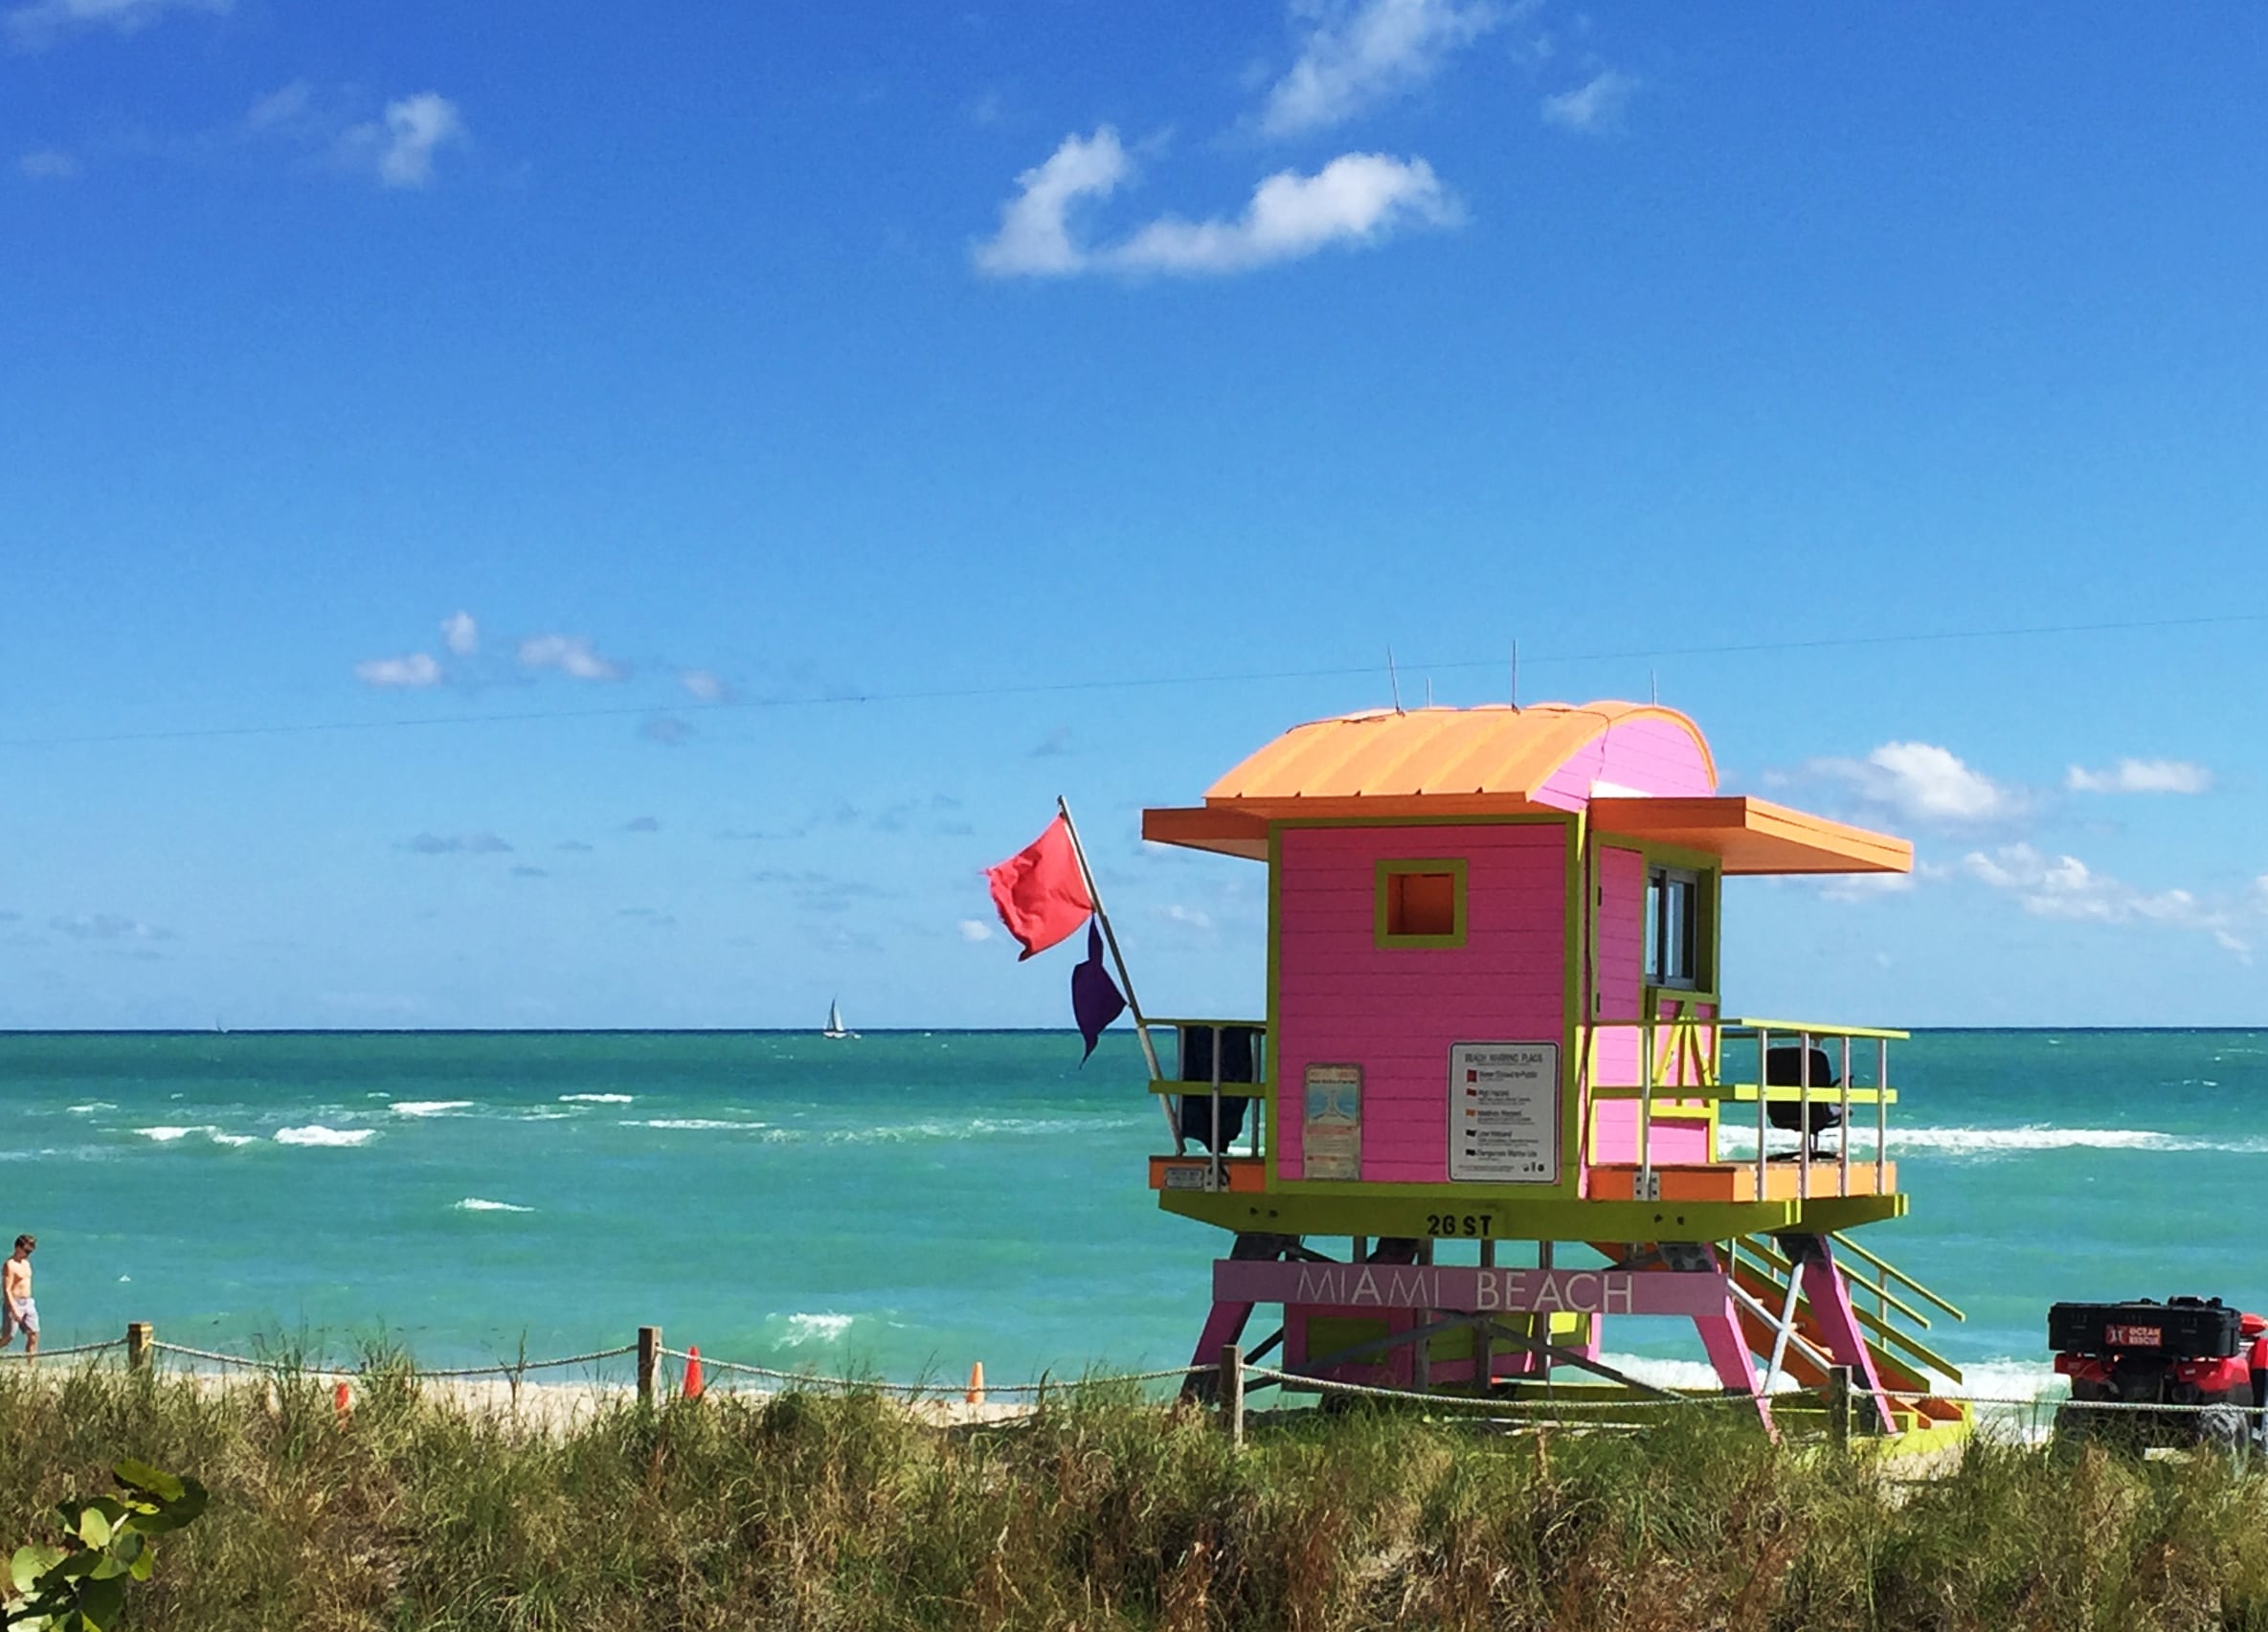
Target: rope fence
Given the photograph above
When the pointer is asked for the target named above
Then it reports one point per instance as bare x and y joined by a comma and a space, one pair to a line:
1224, 1384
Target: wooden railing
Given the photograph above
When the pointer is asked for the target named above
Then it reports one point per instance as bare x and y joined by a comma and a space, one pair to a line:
1682, 1062
1207, 1079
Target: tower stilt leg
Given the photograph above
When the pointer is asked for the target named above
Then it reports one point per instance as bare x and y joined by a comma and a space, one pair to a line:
1837, 1322
1728, 1351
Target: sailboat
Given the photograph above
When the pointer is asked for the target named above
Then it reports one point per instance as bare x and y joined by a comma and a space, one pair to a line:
835, 1025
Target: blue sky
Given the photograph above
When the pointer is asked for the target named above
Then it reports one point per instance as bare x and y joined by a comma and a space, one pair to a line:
537, 433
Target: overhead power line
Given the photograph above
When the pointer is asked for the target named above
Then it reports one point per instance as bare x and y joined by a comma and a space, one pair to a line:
1132, 683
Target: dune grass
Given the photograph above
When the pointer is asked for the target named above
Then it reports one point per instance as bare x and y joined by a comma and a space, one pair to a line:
1103, 1512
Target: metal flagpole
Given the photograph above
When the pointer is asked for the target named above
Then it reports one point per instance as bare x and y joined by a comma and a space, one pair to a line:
1134, 1004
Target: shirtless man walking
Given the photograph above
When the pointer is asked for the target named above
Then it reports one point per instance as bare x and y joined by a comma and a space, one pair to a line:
16, 1307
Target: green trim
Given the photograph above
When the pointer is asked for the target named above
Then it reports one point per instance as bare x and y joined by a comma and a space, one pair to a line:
1381, 885
1402, 1209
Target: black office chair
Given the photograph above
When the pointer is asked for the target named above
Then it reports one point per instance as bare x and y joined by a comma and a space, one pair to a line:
1238, 1064
1784, 1068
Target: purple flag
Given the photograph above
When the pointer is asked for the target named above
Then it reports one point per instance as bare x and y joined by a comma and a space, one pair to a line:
1095, 998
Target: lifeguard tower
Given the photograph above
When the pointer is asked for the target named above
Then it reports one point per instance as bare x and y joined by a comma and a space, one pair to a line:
1497, 1066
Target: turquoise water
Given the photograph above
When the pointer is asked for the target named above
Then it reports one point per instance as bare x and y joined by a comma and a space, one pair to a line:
909, 1202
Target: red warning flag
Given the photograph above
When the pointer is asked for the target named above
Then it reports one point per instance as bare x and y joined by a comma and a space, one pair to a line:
1038, 891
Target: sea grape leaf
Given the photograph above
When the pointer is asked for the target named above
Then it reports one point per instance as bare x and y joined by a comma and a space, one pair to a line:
29, 1563
141, 1476
100, 1602
94, 1527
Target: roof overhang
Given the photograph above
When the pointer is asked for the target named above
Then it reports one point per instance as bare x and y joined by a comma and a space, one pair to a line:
1752, 836
1224, 831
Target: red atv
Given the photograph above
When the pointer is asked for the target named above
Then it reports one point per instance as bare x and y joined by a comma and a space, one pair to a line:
2186, 1351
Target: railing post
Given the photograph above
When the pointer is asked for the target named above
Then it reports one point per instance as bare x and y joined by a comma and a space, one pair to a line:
1838, 1407
649, 1362
1843, 1126
1764, 1093
1232, 1393
1645, 1191
1881, 1111
140, 1334
1803, 1115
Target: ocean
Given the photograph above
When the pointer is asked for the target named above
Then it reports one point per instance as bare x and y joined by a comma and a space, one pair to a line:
907, 1203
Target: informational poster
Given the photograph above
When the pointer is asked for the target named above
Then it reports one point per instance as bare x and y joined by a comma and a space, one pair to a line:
1331, 1137
1504, 1112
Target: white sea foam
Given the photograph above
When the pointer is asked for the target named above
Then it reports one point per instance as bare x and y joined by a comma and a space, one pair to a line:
545, 1116
428, 1107
805, 1328
90, 1108
477, 1204
317, 1134
596, 1099
696, 1123
981, 1127
1734, 1140
237, 1139
166, 1136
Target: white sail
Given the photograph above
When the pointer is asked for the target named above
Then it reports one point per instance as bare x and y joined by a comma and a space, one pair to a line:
835, 1025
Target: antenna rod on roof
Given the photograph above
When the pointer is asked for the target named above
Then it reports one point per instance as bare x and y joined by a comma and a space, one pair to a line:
1516, 676
1653, 689
1428, 691
1393, 680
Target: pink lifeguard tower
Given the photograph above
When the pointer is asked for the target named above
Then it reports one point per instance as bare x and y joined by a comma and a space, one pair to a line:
1497, 1066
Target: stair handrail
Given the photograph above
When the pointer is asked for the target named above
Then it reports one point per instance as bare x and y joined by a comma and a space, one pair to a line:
1897, 1274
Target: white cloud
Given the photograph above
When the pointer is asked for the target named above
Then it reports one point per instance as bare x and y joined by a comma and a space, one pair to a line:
107, 927
416, 669
1357, 198
2065, 887
41, 21
1035, 237
974, 930
1190, 916
285, 106
1926, 783
47, 163
1356, 54
2141, 776
399, 148
460, 633
1595, 109
570, 654
708, 686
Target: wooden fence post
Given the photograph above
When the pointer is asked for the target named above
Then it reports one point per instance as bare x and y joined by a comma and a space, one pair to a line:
649, 1362
1232, 1392
140, 1334
1838, 1407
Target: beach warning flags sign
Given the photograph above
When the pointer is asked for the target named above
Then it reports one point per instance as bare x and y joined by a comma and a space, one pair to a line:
1040, 892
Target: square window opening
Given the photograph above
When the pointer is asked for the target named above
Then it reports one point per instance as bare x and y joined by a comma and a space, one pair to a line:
1421, 904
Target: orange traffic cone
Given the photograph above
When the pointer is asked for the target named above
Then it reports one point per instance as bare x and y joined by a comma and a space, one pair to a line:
693, 1385
341, 1400
976, 1393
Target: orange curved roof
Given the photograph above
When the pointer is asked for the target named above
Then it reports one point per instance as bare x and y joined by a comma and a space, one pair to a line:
1497, 754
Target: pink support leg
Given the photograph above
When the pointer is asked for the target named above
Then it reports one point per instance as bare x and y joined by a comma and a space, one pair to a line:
1728, 1352
1829, 1296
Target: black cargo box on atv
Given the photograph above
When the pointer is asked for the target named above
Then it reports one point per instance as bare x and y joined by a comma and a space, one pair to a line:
2179, 1328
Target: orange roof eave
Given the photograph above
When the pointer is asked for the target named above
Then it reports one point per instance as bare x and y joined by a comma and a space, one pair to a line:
1224, 831
1753, 836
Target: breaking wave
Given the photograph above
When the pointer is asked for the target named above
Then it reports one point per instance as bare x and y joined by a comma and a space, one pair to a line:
318, 1135
596, 1099
478, 1205
428, 1107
